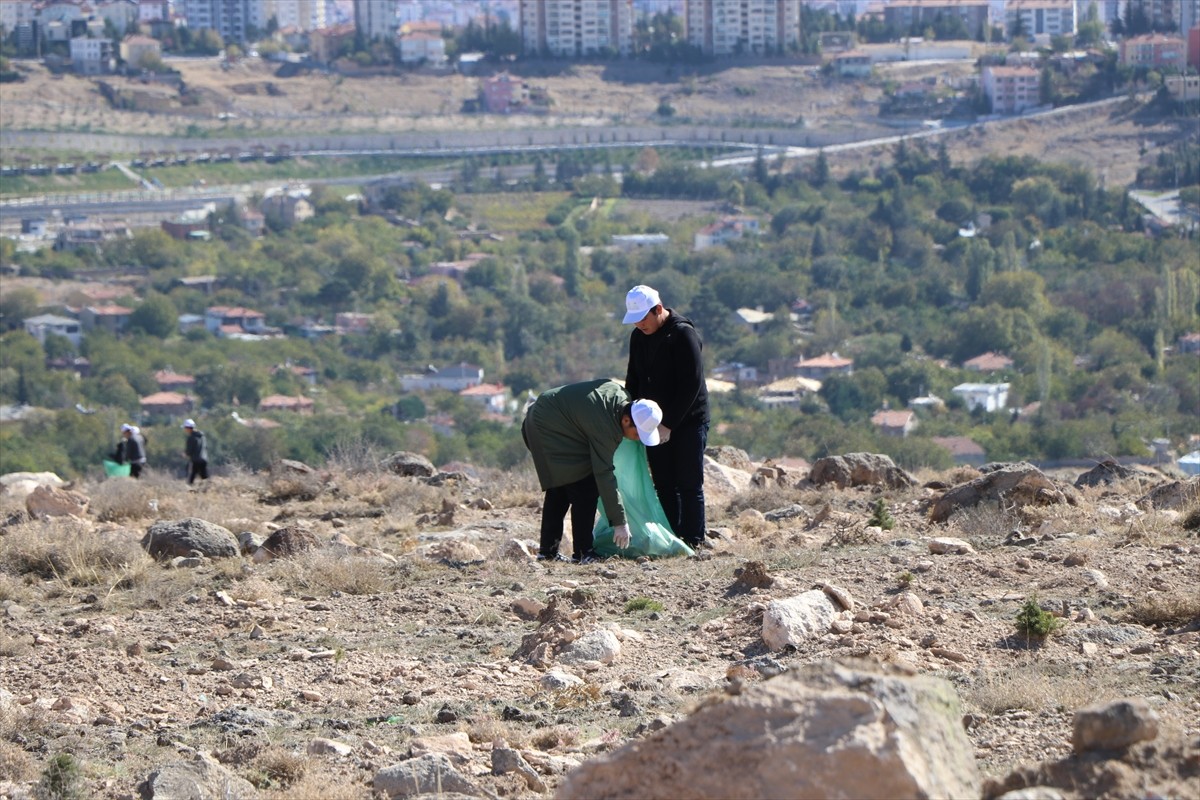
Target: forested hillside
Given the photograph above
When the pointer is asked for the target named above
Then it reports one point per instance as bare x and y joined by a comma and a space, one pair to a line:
909, 270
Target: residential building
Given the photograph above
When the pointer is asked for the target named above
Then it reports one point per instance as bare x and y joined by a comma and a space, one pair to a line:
914, 16
788, 391
135, 49
1183, 88
986, 396
1193, 47
894, 423
427, 48
988, 362
823, 366
287, 207
229, 18
852, 64
493, 396
226, 320
754, 319
735, 372
303, 15
452, 379
325, 44
637, 241
1108, 11
375, 19
575, 28
964, 451
92, 56
1039, 19
727, 229
111, 318
41, 325
1188, 343
456, 269
743, 27
189, 225
503, 93
169, 381
123, 14
353, 322
1154, 50
150, 11
1169, 15
166, 405
1011, 90
281, 402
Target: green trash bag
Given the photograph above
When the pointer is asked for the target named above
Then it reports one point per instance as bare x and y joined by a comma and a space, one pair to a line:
113, 470
650, 533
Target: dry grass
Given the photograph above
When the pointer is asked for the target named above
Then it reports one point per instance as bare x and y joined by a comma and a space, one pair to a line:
124, 500
69, 552
15, 763
1174, 609
321, 572
318, 783
984, 525
1036, 686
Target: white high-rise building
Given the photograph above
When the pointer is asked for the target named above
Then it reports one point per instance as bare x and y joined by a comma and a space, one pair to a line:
375, 19
573, 28
1040, 19
736, 27
229, 18
305, 15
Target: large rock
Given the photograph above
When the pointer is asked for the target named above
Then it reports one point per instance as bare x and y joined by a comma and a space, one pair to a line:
50, 501
286, 542
723, 481
200, 779
1113, 726
20, 484
730, 457
409, 465
795, 620
1106, 473
167, 539
859, 469
430, 774
1019, 483
1176, 494
821, 731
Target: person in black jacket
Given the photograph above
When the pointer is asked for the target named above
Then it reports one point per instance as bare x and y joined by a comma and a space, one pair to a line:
131, 449
196, 450
665, 365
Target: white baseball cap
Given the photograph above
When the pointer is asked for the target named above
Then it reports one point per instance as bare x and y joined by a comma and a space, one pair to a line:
189, 423
638, 303
127, 427
647, 416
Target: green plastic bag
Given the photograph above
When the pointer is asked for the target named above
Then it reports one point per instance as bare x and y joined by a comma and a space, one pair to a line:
114, 470
650, 533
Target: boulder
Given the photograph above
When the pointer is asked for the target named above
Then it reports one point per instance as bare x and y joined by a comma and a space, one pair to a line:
795, 620
430, 774
203, 778
730, 457
822, 730
1113, 726
170, 538
723, 481
859, 469
50, 501
286, 542
20, 484
1019, 483
1106, 473
1176, 494
600, 645
408, 465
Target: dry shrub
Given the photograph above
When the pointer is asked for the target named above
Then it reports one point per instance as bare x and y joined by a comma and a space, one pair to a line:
280, 767
490, 729
324, 571
71, 552
1191, 519
764, 499
582, 695
985, 524
292, 486
15, 764
121, 500
1035, 687
15, 589
319, 783
354, 456
254, 588
1167, 609
554, 737
14, 646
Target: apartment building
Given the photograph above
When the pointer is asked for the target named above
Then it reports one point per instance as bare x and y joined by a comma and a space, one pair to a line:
375, 19
1011, 90
905, 15
1154, 50
229, 18
573, 28
743, 27
1170, 15
92, 56
1040, 19
304, 15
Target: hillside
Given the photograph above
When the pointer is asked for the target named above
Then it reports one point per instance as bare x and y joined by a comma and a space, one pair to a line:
312, 674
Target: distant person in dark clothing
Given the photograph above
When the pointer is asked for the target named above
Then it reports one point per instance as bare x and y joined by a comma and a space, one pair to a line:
196, 450
572, 433
665, 365
131, 450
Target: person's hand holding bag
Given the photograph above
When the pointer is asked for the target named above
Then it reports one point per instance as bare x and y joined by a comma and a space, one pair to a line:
622, 536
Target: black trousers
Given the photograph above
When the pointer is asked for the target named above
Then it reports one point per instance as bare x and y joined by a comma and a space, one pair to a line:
135, 470
198, 469
677, 467
580, 498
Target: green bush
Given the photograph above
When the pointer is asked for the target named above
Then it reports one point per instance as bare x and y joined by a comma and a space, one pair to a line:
881, 517
1033, 621
642, 604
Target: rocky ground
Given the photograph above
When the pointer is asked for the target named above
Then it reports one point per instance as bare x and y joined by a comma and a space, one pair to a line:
401, 617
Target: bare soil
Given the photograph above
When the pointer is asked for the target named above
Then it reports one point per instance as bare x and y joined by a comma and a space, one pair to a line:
128, 664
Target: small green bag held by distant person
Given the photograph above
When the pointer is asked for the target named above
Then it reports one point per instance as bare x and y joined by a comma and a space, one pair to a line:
650, 533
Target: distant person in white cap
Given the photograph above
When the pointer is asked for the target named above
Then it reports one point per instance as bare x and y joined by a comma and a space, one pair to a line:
196, 450
665, 365
572, 433
131, 449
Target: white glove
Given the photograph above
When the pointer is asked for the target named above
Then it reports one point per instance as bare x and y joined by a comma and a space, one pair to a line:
664, 434
621, 536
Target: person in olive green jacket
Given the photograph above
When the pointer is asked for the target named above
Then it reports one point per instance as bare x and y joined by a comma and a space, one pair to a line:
572, 433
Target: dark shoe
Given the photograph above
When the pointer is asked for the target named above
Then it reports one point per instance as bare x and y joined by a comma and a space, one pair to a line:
588, 558
555, 557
